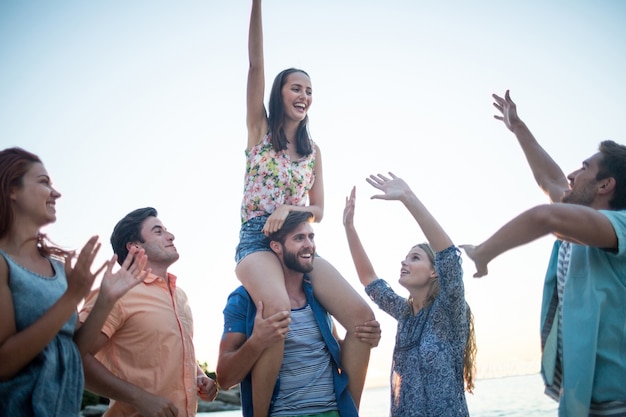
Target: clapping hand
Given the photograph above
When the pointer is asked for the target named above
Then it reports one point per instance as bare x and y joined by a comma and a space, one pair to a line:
132, 272
79, 276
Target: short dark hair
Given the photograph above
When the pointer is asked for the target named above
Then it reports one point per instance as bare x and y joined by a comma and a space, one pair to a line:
128, 230
613, 164
293, 220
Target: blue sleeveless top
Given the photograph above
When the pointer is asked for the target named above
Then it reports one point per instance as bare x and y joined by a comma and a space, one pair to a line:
52, 383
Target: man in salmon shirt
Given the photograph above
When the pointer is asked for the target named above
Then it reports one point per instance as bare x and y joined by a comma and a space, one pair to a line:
144, 358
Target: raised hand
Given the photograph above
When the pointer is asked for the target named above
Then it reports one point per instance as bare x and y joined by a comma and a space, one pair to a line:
473, 252
112, 288
131, 273
369, 332
79, 276
394, 188
348, 211
508, 110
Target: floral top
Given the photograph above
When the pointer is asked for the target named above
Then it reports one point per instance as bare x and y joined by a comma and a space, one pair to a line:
427, 367
273, 179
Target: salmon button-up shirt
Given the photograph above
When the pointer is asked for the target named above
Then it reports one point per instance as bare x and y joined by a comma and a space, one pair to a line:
150, 331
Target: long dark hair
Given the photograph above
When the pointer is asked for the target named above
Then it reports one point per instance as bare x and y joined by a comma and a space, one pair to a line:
276, 115
14, 164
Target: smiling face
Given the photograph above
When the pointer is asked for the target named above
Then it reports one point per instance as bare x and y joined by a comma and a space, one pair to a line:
158, 243
297, 96
583, 183
35, 199
298, 251
417, 270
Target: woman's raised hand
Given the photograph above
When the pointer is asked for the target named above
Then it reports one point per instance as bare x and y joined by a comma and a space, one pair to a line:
132, 272
394, 188
79, 276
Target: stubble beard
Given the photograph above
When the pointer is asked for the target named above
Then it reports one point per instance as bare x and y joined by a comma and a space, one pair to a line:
582, 196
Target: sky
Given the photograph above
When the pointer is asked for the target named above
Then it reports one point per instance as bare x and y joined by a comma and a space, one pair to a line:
142, 103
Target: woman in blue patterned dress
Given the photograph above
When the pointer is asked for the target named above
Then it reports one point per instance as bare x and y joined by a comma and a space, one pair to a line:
433, 358
41, 371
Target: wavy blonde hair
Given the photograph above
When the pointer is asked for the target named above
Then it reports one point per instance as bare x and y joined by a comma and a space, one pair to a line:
469, 357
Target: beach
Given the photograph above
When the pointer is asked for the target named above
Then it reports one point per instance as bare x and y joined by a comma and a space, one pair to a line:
513, 396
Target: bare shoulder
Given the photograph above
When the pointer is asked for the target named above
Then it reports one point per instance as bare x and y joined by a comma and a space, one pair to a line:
318, 151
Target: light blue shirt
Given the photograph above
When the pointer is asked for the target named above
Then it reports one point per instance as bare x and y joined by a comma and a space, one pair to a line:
594, 323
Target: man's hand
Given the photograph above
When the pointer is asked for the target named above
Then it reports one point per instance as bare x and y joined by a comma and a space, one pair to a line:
474, 254
150, 405
508, 111
207, 388
369, 332
271, 330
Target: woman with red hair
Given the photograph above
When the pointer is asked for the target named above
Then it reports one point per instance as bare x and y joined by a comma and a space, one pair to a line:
41, 370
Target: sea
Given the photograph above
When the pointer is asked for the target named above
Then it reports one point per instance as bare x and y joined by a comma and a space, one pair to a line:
511, 396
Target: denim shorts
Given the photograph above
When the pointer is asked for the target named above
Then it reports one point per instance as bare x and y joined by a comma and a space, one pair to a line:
251, 238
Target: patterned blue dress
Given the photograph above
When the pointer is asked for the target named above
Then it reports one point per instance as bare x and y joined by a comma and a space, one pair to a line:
52, 383
427, 367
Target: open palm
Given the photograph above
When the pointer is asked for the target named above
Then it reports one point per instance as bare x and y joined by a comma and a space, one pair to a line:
132, 272
394, 188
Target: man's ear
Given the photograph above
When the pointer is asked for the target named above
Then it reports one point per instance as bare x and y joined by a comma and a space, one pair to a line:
131, 245
607, 185
276, 247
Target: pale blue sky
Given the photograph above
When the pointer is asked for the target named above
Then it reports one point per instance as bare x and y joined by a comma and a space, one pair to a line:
141, 103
